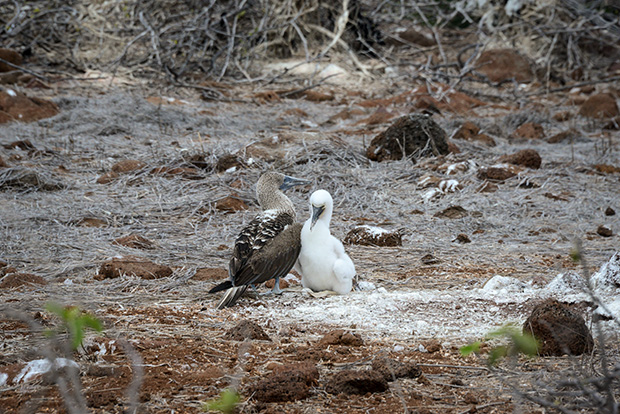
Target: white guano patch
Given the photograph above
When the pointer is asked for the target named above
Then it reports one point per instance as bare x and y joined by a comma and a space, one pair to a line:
42, 366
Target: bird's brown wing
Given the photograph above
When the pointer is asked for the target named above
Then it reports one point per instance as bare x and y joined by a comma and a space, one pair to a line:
278, 256
252, 248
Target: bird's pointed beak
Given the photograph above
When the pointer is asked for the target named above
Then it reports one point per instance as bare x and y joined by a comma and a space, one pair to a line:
292, 182
316, 213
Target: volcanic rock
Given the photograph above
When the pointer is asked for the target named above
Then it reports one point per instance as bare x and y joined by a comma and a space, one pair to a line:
559, 329
290, 382
453, 212
356, 382
373, 236
15, 106
562, 136
392, 369
604, 231
471, 132
135, 241
341, 337
530, 130
13, 280
126, 166
503, 65
210, 274
528, 158
228, 161
495, 174
107, 178
246, 329
602, 105
417, 134
230, 204
23, 178
10, 56
132, 266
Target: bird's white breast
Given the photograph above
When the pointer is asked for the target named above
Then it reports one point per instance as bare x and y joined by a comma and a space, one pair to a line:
320, 256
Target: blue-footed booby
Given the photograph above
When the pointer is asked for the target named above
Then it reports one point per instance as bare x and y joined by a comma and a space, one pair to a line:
323, 263
268, 246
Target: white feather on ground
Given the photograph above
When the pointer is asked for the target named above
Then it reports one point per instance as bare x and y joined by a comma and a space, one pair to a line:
323, 262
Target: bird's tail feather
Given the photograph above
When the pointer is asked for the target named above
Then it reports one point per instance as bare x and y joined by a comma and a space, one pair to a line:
222, 286
231, 296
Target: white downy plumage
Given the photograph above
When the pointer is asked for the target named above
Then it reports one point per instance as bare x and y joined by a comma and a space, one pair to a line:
323, 263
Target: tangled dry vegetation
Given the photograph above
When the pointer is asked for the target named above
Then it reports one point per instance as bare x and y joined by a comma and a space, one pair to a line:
180, 39
167, 182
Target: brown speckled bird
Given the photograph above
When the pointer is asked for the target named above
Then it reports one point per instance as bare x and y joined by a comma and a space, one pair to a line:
268, 246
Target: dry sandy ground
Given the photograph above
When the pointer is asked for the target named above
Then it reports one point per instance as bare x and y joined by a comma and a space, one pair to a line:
418, 310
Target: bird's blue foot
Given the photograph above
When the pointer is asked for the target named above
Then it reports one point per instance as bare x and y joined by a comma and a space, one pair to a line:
276, 287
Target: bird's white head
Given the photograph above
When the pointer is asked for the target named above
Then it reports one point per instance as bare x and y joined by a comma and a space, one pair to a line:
321, 206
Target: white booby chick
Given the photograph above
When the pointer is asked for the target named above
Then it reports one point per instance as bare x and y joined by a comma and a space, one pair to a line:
323, 263
268, 247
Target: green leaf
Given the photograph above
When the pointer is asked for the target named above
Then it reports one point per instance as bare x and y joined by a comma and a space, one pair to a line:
226, 403
525, 344
472, 348
75, 321
497, 353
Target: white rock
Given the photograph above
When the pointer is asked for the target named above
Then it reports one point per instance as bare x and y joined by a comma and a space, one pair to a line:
506, 283
569, 282
608, 276
363, 285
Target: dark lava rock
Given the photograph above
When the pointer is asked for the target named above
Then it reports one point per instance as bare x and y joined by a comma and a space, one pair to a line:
18, 107
604, 231
13, 280
391, 369
417, 134
23, 178
356, 382
108, 177
126, 166
373, 236
230, 204
429, 259
228, 161
341, 337
495, 174
135, 241
11, 56
188, 173
431, 345
90, 222
471, 132
210, 274
290, 382
530, 130
132, 266
198, 161
246, 329
528, 158
487, 187
454, 212
563, 136
559, 329
504, 64
610, 211
462, 238
602, 105
22, 144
